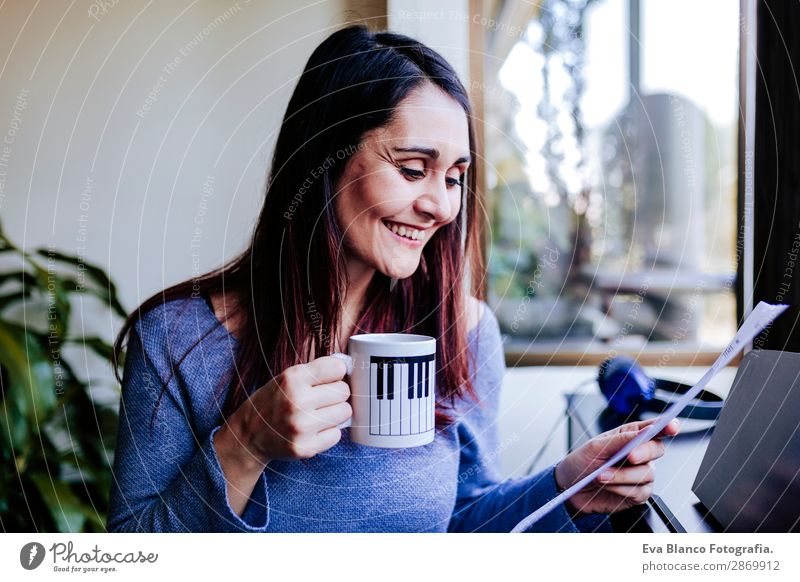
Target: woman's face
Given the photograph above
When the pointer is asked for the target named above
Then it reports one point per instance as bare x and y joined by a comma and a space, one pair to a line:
404, 183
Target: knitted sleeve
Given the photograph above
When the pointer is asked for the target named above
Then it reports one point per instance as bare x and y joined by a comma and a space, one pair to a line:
485, 502
166, 478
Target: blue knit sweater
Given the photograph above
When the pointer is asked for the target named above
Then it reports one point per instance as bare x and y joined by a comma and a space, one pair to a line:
169, 478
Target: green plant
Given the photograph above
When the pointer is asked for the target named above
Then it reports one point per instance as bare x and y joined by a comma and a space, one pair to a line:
55, 437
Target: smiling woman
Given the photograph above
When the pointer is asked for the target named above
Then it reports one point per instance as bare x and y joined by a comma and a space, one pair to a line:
234, 425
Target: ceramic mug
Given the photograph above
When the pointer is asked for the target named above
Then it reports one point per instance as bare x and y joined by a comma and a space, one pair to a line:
392, 389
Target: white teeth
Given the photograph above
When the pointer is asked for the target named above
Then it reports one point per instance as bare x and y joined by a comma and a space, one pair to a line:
411, 233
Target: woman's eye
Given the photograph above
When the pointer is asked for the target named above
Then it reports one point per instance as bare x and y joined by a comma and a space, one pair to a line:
456, 181
411, 173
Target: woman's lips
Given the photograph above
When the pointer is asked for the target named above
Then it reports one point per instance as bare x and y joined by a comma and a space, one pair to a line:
414, 244
403, 229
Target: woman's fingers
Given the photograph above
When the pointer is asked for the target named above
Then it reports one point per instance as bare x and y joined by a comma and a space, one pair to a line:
327, 394
646, 452
327, 417
635, 493
320, 371
608, 443
671, 429
333, 415
628, 475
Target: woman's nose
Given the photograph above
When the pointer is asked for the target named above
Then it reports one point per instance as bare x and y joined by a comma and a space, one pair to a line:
436, 200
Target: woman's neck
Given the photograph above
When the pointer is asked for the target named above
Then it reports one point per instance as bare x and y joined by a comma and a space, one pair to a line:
360, 276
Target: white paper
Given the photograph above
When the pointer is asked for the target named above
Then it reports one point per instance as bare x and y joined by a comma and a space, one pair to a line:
761, 317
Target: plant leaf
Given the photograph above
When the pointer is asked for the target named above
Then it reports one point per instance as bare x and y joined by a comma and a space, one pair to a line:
97, 344
30, 394
22, 277
7, 300
107, 288
67, 510
51, 286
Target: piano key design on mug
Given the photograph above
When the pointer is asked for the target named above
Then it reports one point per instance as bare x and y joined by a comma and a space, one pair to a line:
402, 395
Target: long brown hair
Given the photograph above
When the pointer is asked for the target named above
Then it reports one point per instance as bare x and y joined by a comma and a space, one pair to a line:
289, 282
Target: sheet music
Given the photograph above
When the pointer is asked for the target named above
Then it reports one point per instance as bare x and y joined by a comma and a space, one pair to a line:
761, 317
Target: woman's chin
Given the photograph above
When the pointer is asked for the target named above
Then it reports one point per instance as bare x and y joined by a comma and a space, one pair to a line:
401, 271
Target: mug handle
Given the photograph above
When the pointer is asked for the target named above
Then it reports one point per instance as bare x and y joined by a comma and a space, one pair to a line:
349, 362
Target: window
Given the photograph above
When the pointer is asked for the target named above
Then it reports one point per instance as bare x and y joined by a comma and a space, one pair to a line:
611, 143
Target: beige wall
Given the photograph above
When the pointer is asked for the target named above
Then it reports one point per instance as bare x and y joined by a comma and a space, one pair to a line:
127, 122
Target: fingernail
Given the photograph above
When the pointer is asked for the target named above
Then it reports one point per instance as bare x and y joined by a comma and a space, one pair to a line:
606, 476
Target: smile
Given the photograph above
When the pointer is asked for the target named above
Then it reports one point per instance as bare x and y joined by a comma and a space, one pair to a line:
409, 236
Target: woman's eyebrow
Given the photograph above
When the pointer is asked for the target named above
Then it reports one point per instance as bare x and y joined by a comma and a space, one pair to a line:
432, 153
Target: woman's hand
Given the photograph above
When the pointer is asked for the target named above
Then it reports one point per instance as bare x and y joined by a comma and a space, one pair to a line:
294, 415
618, 487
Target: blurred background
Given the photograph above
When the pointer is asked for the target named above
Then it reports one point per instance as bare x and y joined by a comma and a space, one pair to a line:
611, 145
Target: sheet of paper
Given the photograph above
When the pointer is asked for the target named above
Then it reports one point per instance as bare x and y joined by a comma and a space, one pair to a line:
761, 317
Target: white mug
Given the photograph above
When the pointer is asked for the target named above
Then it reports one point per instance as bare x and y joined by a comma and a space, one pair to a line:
392, 388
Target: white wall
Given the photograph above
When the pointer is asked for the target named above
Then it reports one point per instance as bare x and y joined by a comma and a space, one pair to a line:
90, 156
442, 25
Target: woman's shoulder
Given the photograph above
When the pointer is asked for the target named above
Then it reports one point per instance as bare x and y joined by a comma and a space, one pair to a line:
178, 349
183, 344
172, 316
487, 364
475, 312
481, 321
170, 329
485, 341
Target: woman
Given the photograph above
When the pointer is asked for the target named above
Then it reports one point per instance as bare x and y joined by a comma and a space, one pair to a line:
231, 399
